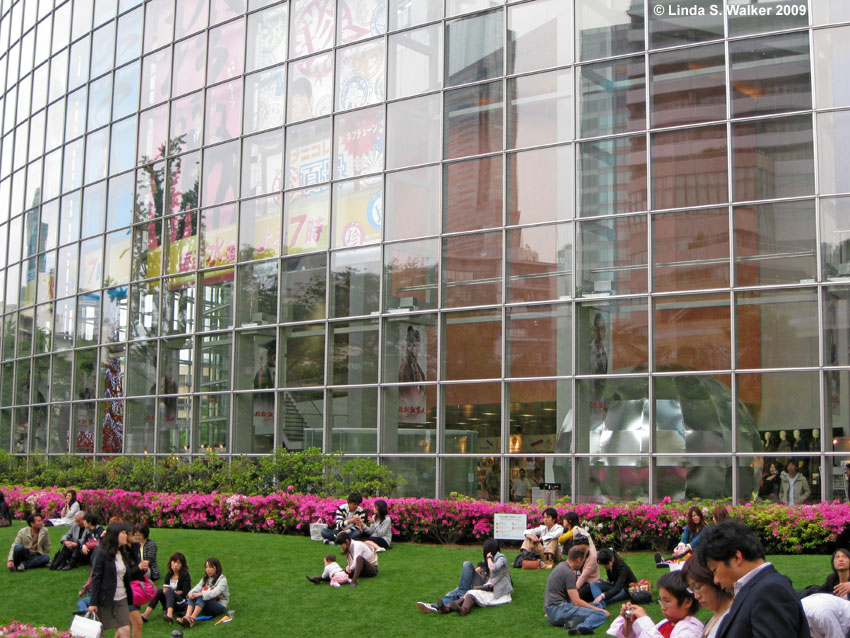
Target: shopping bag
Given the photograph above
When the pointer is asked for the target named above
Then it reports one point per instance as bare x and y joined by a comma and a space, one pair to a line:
316, 530
87, 626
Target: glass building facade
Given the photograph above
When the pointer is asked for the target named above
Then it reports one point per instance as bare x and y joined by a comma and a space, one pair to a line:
593, 242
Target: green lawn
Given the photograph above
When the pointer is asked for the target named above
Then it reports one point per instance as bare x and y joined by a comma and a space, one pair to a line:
271, 597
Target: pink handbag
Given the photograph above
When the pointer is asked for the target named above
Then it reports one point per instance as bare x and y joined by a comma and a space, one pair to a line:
143, 591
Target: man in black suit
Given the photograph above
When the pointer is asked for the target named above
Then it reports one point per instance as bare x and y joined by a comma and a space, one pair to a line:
765, 604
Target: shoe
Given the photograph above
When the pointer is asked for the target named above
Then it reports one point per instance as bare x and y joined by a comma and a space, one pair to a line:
428, 608
22, 568
658, 558
379, 550
50, 565
327, 542
580, 631
334, 584
144, 618
572, 623
314, 579
352, 584
167, 618
548, 564
66, 568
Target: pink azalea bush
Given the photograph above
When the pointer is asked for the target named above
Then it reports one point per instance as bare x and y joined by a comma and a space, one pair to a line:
19, 630
811, 528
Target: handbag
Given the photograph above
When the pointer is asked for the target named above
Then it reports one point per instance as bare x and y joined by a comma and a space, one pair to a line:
143, 591
316, 530
87, 626
531, 564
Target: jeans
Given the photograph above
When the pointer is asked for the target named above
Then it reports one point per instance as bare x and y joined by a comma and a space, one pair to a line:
208, 607
83, 604
469, 578
600, 587
22, 555
561, 613
329, 533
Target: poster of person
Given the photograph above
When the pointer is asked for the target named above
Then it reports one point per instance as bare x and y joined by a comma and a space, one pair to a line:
411, 398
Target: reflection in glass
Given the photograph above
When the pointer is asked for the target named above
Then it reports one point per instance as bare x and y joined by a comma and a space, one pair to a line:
306, 220
224, 112
474, 341
311, 26
420, 473
189, 57
412, 207
692, 333
413, 131
308, 154
688, 86
472, 417
302, 356
538, 341
256, 302
221, 174
777, 329
156, 77
473, 194
353, 419
540, 109
310, 87
217, 299
178, 305
60, 429
302, 288
776, 243
475, 477
213, 420
356, 280
254, 423
409, 13
266, 37
410, 356
672, 24
539, 263
264, 100
539, 36
300, 420
472, 120
215, 363
411, 275
682, 478
259, 228
612, 337
689, 167
832, 55
225, 55
353, 352
357, 212
359, 145
139, 426
415, 61
186, 127
360, 74
608, 27
537, 410
540, 186
792, 14
262, 163
612, 256
833, 139
472, 269
612, 176
474, 48
691, 250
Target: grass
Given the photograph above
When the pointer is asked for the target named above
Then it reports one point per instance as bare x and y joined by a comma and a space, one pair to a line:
271, 597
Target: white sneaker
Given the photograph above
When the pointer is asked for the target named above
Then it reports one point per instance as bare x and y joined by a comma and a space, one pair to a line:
428, 608
379, 550
334, 583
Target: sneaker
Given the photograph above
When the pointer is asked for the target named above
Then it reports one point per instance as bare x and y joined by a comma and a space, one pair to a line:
548, 564
580, 631
334, 584
427, 608
22, 568
316, 580
572, 623
379, 550
327, 542
658, 558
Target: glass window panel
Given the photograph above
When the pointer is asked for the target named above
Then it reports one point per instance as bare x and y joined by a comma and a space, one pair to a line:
225, 58
78, 63
300, 419
255, 361
360, 19
691, 250
414, 131
360, 75
474, 339
176, 366
540, 185
411, 275
681, 478
97, 156
770, 75
156, 77
472, 269
473, 477
412, 206
540, 263
83, 428
830, 12
409, 420
55, 127
410, 356
48, 231
102, 49
539, 36
116, 262
94, 209
186, 123
353, 352
215, 362
832, 55
773, 158
221, 10
537, 409
115, 315
23, 343
178, 305
753, 473
538, 341
256, 302
221, 175
64, 322
125, 97
175, 425
302, 287
119, 208
357, 212
224, 112
356, 277
612, 256
182, 186
311, 26
262, 163
688, 86
112, 362
624, 348
836, 321
267, 37
159, 23
776, 402
264, 100
10, 333
776, 243
353, 419
147, 250
608, 27
359, 146
153, 135
692, 333
191, 16
307, 219
213, 421
259, 229
613, 416
189, 58
833, 137
540, 109
455, 7
88, 320
36, 141
310, 88
60, 424
415, 61
20, 419
302, 352
612, 176
672, 23
767, 17
612, 97
472, 120
90, 264
85, 373
217, 299
129, 38
777, 329
139, 426
72, 167
693, 414
474, 48
410, 13
472, 417
308, 153
122, 153
473, 194
60, 387
689, 167
144, 310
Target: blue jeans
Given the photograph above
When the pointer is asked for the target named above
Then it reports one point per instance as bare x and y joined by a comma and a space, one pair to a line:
83, 604
209, 607
469, 578
561, 613
329, 533
22, 555
600, 587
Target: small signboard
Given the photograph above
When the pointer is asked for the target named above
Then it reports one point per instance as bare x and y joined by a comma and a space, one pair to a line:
509, 527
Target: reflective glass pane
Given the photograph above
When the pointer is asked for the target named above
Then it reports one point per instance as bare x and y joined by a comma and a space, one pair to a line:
253, 423
472, 120
688, 86
178, 305
833, 138
213, 421
357, 212
310, 87
678, 343
474, 477
409, 13
539, 35
128, 42
256, 302
224, 112
266, 37
682, 478
308, 154
539, 263
300, 419
472, 269
473, 194
608, 27
186, 122
156, 77
538, 341
746, 16
226, 50
415, 61
360, 74
832, 56
256, 355
691, 250
311, 26
144, 310
616, 334
215, 362
139, 426
537, 410
302, 356
354, 346
612, 176
264, 100
307, 220
410, 356
259, 228
540, 186
684, 21
612, 256
356, 277
189, 58
412, 207
777, 329
217, 299
540, 109
472, 417
411, 275
613, 416
689, 167
474, 341
409, 420
262, 163
60, 423
413, 131
359, 145
353, 419
474, 48
302, 287
221, 176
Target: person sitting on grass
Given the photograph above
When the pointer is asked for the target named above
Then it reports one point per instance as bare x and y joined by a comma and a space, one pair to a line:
210, 595
562, 605
577, 535
701, 581
31, 547
828, 615
69, 511
497, 590
838, 582
379, 535
678, 606
694, 527
332, 573
70, 554
141, 535
543, 539
362, 559
470, 576
173, 592
348, 517
616, 588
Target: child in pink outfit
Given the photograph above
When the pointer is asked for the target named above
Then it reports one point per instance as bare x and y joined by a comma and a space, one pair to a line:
334, 573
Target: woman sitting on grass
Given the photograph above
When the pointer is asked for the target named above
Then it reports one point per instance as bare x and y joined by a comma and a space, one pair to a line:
380, 532
619, 576
690, 537
838, 582
173, 592
210, 595
701, 581
678, 606
497, 590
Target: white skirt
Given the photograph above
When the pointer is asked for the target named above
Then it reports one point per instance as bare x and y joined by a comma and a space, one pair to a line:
487, 599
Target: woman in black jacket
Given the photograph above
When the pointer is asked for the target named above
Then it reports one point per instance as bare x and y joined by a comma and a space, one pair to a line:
173, 592
619, 576
838, 582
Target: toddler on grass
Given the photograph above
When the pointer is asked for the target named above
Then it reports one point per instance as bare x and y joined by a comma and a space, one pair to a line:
332, 572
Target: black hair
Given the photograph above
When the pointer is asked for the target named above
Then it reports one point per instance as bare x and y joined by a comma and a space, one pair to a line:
571, 518
677, 586
91, 518
381, 506
143, 529
2, 498
109, 542
491, 546
73, 494
31, 518
607, 555
696, 529
844, 551
216, 564
721, 543
551, 511
341, 538
331, 558
355, 497
184, 568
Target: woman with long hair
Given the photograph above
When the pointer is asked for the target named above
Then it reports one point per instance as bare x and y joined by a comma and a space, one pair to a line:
380, 532
701, 582
497, 590
695, 523
5, 512
173, 592
110, 585
211, 594
619, 576
838, 582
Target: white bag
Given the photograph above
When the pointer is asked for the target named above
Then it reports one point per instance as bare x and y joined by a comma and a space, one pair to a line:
316, 530
87, 626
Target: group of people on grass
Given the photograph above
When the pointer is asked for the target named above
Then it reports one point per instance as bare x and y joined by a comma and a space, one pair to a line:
120, 557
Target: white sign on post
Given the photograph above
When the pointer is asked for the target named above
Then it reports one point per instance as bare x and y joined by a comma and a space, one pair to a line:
509, 527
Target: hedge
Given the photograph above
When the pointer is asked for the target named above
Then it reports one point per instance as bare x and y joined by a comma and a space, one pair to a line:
816, 528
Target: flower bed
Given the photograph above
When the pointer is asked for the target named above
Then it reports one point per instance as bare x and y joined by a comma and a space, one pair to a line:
812, 528
19, 630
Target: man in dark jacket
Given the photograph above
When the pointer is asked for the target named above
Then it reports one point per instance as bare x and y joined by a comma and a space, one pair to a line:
765, 604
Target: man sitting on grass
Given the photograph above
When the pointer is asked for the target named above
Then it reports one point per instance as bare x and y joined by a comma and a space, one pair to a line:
563, 606
346, 518
544, 538
31, 547
362, 559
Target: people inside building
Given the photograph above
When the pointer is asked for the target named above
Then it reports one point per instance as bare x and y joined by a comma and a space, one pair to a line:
543, 539
794, 488
31, 547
